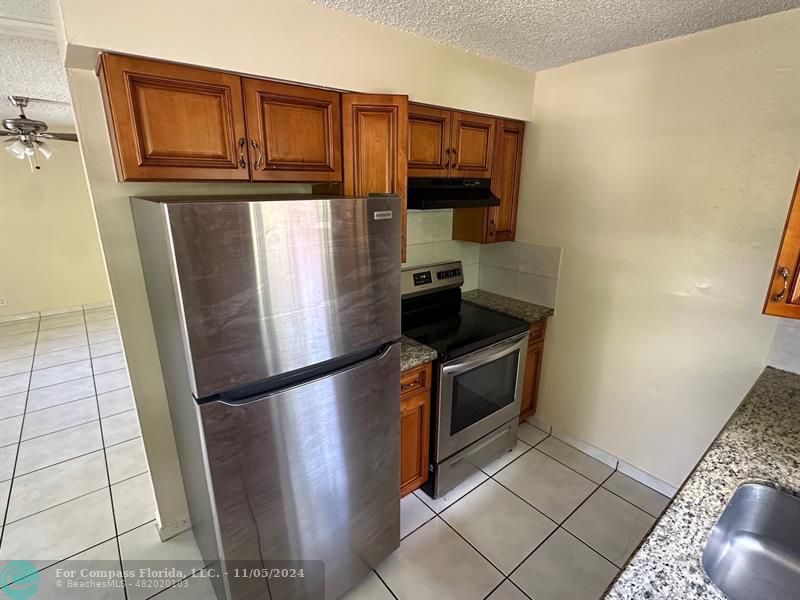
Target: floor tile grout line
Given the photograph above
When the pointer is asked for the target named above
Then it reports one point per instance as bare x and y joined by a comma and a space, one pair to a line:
135, 527
647, 512
560, 525
471, 545
19, 445
30, 412
99, 420
421, 525
614, 470
77, 379
75, 498
59, 561
386, 585
84, 398
108, 472
64, 364
581, 540
63, 429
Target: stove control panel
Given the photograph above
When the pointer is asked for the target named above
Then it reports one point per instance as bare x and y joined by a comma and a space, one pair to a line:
422, 278
416, 281
448, 273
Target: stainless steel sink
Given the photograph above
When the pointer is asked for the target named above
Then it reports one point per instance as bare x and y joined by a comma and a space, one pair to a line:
753, 551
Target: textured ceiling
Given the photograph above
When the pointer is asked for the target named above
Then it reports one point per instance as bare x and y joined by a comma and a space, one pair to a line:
32, 67
35, 11
540, 34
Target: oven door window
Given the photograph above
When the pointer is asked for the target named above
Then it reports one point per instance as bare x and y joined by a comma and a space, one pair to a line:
481, 391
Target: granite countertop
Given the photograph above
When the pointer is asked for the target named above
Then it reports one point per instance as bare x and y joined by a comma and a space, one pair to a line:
414, 353
761, 442
509, 306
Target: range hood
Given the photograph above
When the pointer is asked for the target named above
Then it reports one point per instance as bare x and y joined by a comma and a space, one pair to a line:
426, 193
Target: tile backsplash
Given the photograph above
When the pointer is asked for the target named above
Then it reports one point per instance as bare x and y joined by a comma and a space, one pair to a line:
430, 240
785, 351
525, 271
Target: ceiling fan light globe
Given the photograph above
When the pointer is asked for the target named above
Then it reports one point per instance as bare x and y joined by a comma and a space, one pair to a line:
17, 150
45, 149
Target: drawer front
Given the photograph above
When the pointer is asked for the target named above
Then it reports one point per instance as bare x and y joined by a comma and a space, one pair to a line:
536, 334
414, 380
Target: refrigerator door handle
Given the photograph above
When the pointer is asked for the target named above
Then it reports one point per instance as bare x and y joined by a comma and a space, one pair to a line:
359, 360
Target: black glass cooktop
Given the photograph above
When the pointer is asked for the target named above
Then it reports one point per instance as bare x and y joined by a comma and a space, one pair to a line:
455, 328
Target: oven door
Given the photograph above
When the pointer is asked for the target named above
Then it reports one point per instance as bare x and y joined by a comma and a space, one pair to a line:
478, 393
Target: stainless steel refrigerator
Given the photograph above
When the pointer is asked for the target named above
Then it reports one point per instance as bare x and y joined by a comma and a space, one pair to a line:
277, 321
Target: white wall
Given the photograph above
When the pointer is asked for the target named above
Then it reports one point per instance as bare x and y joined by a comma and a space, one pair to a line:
291, 40
49, 246
665, 173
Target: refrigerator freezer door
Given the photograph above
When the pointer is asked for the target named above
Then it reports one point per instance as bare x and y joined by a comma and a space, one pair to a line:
310, 473
270, 287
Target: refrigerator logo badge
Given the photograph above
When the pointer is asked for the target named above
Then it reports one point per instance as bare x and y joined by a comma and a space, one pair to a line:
380, 215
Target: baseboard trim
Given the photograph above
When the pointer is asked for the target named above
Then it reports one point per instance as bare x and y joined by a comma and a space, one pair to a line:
607, 458
20, 317
601, 455
166, 532
61, 311
649, 480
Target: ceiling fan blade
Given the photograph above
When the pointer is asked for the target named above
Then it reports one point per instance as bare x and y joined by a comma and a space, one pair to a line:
67, 137
8, 133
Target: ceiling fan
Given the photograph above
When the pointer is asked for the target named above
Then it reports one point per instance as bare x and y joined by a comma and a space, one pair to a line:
26, 136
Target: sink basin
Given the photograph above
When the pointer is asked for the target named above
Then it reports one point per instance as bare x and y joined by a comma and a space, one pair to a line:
753, 551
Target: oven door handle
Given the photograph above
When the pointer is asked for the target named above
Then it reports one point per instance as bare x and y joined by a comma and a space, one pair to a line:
487, 355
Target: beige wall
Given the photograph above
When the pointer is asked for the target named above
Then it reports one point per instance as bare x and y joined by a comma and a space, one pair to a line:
665, 173
291, 40
50, 251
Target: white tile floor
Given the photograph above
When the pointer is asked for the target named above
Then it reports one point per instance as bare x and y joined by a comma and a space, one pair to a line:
545, 521
73, 478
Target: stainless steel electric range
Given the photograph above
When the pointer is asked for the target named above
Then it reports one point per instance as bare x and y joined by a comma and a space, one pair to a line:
477, 376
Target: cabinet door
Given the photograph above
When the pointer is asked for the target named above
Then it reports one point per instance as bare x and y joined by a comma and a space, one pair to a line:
428, 141
294, 132
375, 147
783, 297
530, 385
173, 122
471, 145
414, 441
505, 180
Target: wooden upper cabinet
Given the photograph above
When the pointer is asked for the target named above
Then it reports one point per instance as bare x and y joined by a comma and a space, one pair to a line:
448, 143
471, 146
505, 180
783, 297
294, 132
173, 122
375, 153
428, 141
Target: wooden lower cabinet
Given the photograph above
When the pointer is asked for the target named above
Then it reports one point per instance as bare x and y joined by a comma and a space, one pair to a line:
415, 417
533, 370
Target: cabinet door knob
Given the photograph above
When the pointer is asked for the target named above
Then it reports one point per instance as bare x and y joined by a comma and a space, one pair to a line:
242, 144
259, 153
783, 272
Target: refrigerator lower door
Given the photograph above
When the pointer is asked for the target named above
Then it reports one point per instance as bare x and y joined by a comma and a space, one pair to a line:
309, 473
